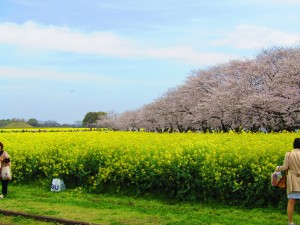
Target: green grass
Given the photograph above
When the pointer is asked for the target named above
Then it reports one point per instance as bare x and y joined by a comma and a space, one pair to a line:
108, 209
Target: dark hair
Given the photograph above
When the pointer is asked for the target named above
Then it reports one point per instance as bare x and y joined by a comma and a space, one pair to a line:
1, 145
297, 143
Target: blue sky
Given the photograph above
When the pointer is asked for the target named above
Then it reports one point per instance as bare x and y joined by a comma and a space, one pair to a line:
60, 59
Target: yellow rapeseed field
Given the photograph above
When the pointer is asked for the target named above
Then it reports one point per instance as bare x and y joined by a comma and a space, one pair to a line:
224, 166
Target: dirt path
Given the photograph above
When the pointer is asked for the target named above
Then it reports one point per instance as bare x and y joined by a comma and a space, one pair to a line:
43, 218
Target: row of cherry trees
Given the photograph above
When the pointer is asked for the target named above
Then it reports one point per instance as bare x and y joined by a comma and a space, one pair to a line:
258, 93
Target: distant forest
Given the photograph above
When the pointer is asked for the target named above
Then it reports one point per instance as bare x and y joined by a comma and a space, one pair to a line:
34, 123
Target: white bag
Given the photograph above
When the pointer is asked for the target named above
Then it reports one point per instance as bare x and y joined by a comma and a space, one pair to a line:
275, 177
58, 185
6, 173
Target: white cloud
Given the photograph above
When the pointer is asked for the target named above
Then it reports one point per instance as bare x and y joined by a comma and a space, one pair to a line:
10, 73
50, 75
188, 55
249, 37
33, 36
287, 1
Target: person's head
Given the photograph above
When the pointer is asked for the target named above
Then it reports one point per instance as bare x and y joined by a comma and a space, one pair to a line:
297, 143
1, 146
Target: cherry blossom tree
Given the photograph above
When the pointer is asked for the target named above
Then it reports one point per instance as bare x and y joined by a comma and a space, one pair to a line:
262, 92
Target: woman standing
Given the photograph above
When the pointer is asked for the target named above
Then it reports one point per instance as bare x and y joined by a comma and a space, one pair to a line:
5, 161
291, 163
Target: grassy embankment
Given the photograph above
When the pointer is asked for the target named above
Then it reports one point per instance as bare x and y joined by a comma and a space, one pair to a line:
17, 125
116, 209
